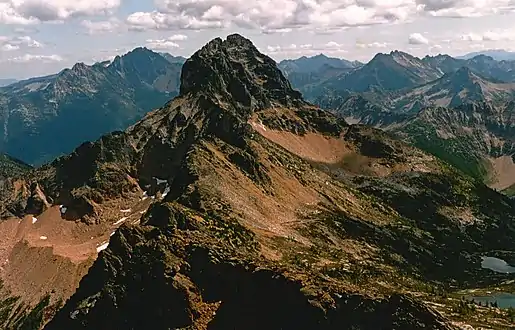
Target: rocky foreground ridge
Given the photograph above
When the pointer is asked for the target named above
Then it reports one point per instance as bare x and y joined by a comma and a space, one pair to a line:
261, 211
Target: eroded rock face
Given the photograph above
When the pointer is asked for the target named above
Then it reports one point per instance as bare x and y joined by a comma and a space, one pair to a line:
13, 189
236, 70
37, 202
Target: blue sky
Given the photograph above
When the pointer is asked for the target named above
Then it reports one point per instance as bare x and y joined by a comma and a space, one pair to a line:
42, 37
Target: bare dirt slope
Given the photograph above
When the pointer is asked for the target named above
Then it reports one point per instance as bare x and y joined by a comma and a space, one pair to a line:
503, 172
47, 254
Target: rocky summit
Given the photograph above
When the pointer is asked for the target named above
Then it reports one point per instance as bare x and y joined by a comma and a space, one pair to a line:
238, 205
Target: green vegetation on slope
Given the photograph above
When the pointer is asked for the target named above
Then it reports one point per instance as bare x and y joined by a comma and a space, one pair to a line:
455, 151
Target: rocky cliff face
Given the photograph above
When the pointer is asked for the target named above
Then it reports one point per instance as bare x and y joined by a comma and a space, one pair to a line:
11, 170
263, 211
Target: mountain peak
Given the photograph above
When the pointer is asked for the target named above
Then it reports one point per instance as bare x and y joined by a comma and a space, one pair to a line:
400, 53
438, 56
137, 53
464, 73
483, 58
238, 40
142, 65
235, 70
80, 68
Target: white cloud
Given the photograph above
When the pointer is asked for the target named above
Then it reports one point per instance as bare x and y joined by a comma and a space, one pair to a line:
9, 47
8, 15
33, 11
465, 8
278, 16
27, 41
489, 36
161, 44
283, 16
273, 49
35, 58
472, 37
141, 21
16, 43
417, 39
333, 44
98, 27
291, 47
280, 30
168, 43
331, 47
372, 45
177, 37
25, 30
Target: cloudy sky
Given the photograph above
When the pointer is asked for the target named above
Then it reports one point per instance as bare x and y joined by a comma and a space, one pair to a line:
43, 36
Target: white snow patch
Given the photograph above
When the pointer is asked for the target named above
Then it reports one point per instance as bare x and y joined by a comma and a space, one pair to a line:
159, 181
143, 212
44, 238
120, 221
126, 211
262, 126
33, 87
112, 233
63, 209
167, 190
34, 220
103, 246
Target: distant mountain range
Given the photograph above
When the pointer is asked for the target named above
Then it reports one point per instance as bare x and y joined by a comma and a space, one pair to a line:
460, 110
496, 54
452, 89
174, 59
306, 73
392, 72
42, 118
315, 63
45, 117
